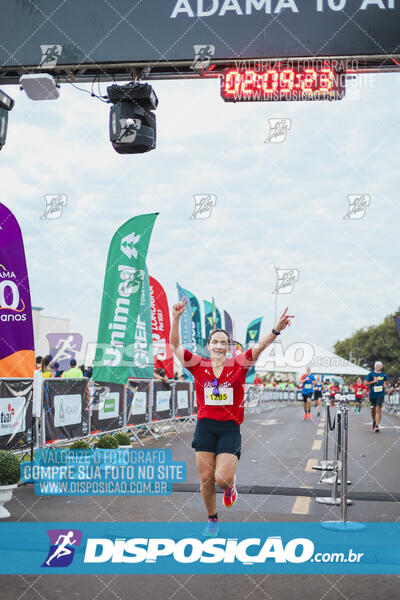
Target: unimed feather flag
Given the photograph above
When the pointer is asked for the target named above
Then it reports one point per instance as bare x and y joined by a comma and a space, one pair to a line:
17, 354
123, 285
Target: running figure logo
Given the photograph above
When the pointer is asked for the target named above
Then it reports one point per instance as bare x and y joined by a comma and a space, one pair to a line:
55, 204
50, 54
202, 56
278, 129
358, 204
63, 347
286, 279
62, 547
204, 204
129, 129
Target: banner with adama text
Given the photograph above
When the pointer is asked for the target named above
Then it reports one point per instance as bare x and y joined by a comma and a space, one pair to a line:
123, 286
17, 354
252, 335
160, 325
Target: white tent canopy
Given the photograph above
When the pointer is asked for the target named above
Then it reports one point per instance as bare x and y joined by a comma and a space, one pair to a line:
297, 356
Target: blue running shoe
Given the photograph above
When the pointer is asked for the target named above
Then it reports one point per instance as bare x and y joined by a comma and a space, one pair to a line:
211, 529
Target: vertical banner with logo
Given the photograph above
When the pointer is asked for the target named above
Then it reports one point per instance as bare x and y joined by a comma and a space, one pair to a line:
228, 324
182, 406
397, 321
143, 367
15, 414
138, 402
197, 333
186, 325
252, 335
17, 354
123, 285
65, 409
107, 407
160, 325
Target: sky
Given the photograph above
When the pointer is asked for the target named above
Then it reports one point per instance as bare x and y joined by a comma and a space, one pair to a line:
277, 204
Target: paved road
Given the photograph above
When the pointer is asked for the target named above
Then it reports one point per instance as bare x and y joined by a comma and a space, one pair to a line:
278, 452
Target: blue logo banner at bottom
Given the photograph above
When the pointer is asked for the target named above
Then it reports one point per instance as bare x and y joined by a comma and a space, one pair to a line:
172, 548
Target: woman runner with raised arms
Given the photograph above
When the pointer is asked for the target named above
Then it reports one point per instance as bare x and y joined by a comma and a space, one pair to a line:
219, 385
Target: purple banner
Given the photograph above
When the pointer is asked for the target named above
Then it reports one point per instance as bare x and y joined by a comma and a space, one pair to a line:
228, 324
397, 321
17, 356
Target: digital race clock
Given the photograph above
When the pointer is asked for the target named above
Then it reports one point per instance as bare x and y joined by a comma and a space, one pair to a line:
275, 83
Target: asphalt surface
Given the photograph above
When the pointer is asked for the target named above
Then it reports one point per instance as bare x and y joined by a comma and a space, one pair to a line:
276, 482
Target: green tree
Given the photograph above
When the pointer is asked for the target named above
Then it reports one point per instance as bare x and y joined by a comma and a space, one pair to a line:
377, 342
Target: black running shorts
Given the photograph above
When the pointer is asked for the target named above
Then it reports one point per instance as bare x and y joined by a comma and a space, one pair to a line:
306, 397
317, 394
376, 401
219, 437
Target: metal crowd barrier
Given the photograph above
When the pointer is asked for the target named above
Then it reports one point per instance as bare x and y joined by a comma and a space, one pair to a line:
392, 404
339, 466
67, 410
17, 427
143, 407
325, 464
257, 398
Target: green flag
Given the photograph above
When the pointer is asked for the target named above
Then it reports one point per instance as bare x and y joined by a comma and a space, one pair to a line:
252, 335
208, 320
123, 287
214, 313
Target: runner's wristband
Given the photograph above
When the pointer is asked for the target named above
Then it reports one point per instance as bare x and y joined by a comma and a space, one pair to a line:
276, 332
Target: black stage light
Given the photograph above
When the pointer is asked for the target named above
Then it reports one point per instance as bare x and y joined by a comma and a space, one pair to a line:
132, 122
3, 126
5, 101
6, 104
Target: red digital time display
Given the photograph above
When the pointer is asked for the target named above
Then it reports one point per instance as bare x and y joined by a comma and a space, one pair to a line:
280, 83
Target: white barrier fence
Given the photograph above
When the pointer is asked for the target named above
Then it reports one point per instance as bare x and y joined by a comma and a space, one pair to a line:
72, 409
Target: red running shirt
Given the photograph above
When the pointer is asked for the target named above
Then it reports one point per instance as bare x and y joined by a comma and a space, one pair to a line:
359, 389
228, 404
334, 389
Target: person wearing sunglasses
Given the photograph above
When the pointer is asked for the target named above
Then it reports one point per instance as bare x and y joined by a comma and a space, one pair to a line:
219, 385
